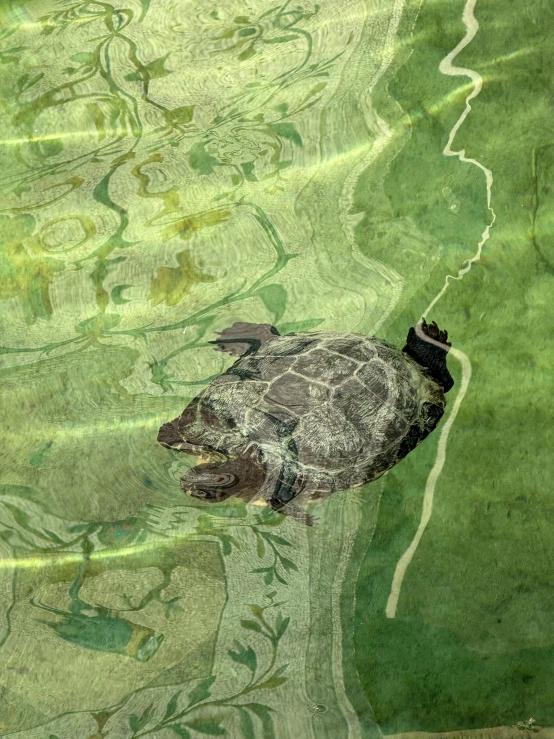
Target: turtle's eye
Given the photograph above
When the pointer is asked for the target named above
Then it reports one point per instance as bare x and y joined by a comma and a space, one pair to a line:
225, 480
215, 479
205, 494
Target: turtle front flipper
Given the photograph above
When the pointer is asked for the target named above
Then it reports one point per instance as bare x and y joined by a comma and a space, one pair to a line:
244, 338
299, 514
170, 437
289, 485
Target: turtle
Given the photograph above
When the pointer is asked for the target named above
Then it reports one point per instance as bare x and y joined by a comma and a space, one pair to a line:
303, 415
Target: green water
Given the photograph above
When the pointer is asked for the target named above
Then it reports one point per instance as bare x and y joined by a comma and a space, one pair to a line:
171, 167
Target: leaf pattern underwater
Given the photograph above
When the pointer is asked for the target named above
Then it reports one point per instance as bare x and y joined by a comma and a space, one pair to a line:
155, 159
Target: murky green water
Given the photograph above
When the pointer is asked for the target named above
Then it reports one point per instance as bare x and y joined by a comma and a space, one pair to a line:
171, 167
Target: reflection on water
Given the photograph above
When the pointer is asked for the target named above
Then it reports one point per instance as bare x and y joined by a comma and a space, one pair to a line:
170, 169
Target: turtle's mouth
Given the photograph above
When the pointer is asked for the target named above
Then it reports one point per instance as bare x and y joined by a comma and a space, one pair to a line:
204, 494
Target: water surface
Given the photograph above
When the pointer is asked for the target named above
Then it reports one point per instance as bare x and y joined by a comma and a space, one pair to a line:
171, 167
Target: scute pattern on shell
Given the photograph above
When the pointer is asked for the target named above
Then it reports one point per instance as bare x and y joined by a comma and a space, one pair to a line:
343, 404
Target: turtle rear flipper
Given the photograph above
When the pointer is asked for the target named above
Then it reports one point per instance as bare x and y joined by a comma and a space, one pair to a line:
244, 338
428, 345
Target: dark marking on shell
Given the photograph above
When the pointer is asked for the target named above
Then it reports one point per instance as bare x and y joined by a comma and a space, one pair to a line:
295, 391
325, 438
376, 377
356, 349
327, 367
431, 414
365, 409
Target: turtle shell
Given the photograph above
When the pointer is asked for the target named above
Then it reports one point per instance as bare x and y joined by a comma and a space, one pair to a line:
342, 408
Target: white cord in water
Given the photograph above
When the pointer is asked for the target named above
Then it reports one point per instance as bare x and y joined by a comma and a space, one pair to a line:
446, 67
428, 496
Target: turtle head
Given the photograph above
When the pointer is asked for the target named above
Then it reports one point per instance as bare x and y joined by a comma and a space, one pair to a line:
428, 345
214, 482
